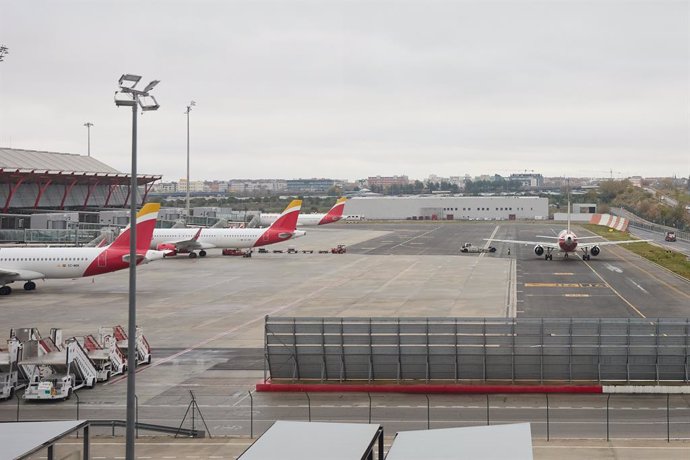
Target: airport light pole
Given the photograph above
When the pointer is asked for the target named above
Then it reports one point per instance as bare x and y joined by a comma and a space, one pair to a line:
189, 109
127, 96
88, 125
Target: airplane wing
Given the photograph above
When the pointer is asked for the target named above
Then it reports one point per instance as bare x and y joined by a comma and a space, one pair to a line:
546, 244
611, 243
7, 276
191, 244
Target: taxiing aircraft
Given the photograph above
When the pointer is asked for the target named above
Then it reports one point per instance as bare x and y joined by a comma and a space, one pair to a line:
29, 264
187, 240
333, 215
566, 242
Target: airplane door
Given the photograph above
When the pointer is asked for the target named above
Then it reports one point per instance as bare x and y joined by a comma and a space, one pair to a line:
103, 259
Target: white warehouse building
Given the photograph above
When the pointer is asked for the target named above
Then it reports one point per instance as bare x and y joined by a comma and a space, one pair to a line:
448, 207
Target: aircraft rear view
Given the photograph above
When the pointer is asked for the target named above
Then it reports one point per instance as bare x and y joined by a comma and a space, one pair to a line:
335, 213
284, 226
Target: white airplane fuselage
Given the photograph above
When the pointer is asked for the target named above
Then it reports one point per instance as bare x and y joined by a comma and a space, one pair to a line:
48, 263
304, 220
220, 237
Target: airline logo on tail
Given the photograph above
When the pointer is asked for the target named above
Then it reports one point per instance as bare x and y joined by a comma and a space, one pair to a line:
284, 227
116, 256
335, 213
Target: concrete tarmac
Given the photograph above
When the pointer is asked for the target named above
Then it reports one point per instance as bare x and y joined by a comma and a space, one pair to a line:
204, 320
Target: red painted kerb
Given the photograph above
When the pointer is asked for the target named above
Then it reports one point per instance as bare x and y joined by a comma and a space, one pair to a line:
427, 388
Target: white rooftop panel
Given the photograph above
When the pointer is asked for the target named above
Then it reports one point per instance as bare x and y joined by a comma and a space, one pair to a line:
50, 161
312, 440
18, 439
496, 442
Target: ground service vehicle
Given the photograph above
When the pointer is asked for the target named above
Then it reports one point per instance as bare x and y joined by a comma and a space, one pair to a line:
670, 236
340, 249
9, 369
236, 252
468, 248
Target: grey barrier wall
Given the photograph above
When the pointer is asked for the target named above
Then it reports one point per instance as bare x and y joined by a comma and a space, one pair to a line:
478, 349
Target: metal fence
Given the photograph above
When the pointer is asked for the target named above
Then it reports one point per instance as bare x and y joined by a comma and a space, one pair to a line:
477, 349
49, 236
230, 412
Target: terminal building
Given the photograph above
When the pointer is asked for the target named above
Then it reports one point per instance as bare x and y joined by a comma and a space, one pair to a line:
448, 208
33, 179
33, 182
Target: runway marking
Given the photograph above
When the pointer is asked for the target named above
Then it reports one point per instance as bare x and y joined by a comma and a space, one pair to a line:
488, 242
616, 292
568, 285
576, 295
563, 274
615, 253
414, 238
613, 268
638, 286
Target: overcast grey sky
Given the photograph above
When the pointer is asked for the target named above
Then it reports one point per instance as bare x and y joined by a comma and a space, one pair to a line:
347, 89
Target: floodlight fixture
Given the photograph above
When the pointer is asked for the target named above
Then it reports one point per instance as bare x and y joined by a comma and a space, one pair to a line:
148, 103
123, 99
129, 81
151, 85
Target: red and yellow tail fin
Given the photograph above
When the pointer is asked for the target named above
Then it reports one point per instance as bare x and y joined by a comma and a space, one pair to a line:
335, 213
146, 222
288, 219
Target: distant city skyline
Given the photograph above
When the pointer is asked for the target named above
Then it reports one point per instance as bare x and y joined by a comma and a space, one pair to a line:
349, 89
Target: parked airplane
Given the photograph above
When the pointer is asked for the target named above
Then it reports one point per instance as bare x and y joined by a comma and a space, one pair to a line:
187, 240
29, 264
333, 215
567, 242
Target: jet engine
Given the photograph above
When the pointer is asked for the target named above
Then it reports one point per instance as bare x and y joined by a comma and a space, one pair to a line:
595, 250
169, 249
539, 250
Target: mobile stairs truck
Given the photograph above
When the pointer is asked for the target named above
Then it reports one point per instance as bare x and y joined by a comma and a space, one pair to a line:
142, 345
11, 377
107, 358
57, 369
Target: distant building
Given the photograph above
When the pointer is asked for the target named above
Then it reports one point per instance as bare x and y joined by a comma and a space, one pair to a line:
217, 186
165, 187
256, 186
387, 181
194, 186
311, 185
528, 180
449, 208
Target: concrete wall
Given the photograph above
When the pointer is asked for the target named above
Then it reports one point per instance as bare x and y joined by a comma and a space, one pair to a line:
460, 208
563, 216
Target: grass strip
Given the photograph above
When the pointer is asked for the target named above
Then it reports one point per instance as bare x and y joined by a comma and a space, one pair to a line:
676, 262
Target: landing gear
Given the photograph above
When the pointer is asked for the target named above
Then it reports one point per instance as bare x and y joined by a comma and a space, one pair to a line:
5, 290
202, 253
586, 257
548, 256
192, 255
29, 286
565, 256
